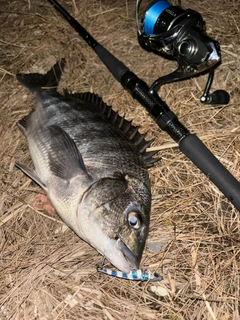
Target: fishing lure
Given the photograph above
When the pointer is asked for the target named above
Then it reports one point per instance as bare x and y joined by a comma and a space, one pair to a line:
140, 274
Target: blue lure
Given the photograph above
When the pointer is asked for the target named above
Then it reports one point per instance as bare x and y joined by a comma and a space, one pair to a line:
140, 274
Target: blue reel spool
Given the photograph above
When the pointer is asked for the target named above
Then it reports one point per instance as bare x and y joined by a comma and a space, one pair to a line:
152, 14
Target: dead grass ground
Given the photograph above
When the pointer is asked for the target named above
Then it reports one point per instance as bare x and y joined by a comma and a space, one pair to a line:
47, 272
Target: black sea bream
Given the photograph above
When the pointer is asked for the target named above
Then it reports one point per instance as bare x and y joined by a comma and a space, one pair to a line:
92, 163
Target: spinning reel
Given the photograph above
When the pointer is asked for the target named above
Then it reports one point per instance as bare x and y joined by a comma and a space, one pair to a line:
180, 34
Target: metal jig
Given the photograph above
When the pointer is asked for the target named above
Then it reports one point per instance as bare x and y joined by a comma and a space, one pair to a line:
140, 274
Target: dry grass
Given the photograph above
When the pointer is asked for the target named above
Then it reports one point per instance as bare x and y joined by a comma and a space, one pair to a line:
46, 271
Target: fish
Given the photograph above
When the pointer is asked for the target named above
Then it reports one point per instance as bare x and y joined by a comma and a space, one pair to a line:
93, 165
137, 275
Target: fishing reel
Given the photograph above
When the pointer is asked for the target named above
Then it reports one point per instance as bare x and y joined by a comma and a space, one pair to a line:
179, 34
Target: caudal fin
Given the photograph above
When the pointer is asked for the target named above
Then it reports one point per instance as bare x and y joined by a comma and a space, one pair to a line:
35, 81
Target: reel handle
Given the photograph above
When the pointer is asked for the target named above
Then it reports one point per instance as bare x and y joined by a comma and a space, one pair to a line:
217, 97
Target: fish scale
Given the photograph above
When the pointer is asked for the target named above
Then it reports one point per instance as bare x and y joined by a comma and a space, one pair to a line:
92, 163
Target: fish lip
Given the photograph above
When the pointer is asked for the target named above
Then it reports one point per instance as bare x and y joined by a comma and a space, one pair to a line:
132, 260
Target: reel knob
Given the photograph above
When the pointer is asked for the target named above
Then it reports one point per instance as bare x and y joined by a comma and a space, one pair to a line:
217, 97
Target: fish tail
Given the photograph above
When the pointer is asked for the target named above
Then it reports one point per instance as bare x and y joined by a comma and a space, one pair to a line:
49, 81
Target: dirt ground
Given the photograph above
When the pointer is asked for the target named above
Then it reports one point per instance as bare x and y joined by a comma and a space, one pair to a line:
46, 271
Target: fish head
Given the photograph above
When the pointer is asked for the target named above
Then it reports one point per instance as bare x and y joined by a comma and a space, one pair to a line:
113, 217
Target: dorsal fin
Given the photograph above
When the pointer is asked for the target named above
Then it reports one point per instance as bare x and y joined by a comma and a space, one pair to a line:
124, 126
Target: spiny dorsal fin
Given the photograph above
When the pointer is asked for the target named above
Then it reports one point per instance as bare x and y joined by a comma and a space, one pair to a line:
124, 126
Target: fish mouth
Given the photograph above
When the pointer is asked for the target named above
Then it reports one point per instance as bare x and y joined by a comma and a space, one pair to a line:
131, 259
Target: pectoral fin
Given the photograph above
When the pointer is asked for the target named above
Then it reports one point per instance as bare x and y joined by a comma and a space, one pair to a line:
65, 160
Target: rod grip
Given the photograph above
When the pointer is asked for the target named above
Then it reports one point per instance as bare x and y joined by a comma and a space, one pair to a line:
202, 157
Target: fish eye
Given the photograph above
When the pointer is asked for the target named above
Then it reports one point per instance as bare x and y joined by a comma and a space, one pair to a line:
134, 220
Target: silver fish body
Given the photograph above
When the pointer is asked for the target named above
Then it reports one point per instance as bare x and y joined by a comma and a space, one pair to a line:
92, 163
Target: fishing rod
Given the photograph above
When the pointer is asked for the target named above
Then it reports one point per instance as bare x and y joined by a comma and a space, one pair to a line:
188, 143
